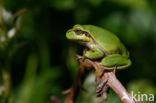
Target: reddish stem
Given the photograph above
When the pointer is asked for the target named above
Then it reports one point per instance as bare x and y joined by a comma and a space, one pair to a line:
112, 82
119, 89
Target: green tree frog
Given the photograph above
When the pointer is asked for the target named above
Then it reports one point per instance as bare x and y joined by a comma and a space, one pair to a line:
102, 45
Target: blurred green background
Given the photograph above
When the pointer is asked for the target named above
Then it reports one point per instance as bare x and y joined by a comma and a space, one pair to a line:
45, 64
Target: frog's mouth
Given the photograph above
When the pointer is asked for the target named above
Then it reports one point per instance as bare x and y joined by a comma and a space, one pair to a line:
80, 40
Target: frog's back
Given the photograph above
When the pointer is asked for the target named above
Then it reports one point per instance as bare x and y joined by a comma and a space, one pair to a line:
107, 40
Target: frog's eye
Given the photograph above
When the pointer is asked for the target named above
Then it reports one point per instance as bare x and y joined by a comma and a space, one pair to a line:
78, 31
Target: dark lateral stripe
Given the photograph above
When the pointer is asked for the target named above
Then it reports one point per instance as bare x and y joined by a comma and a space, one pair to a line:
79, 31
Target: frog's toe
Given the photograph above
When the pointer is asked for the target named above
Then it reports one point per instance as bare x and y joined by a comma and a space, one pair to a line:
99, 72
104, 96
98, 91
103, 92
100, 87
80, 58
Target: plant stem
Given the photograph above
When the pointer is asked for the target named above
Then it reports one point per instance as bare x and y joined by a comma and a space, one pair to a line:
118, 88
77, 85
112, 82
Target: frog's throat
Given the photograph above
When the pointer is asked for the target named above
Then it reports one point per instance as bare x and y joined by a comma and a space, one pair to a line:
87, 34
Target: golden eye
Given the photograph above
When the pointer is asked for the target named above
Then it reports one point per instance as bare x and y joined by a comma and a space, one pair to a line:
78, 31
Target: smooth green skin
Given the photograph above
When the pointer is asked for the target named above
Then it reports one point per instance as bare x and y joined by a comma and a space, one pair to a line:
103, 44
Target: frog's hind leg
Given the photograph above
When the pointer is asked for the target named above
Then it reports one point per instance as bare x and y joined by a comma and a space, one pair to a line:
117, 60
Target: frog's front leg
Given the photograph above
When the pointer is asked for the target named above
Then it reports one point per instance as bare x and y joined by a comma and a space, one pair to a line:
117, 60
94, 52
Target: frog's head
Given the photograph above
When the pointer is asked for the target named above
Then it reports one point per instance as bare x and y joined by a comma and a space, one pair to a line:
79, 34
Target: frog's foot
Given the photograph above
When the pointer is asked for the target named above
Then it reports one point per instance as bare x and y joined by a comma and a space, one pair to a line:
104, 96
103, 93
80, 58
101, 87
98, 73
